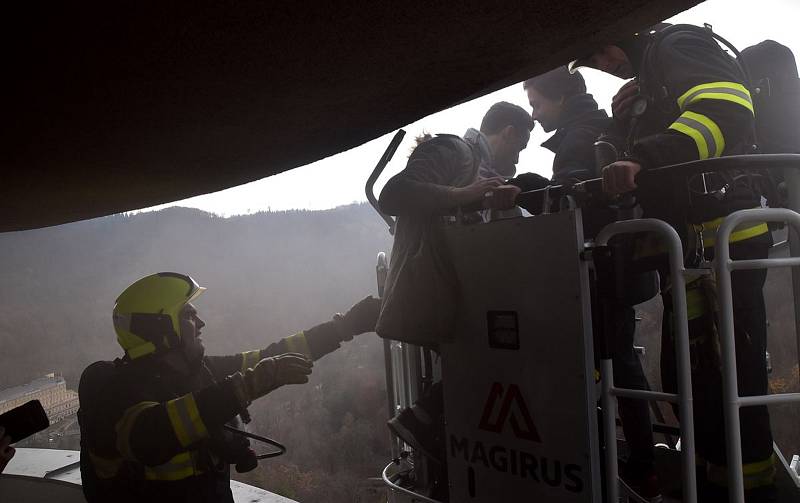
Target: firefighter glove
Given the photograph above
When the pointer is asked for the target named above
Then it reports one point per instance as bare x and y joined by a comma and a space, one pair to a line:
272, 373
362, 317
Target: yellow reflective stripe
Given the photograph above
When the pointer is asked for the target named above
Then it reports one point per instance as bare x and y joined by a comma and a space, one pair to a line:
125, 425
743, 232
716, 132
726, 91
704, 131
759, 466
250, 359
186, 420
741, 235
758, 474
135, 346
694, 134
179, 467
297, 343
141, 350
726, 97
696, 302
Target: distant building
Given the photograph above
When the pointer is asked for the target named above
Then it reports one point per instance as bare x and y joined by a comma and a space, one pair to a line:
51, 390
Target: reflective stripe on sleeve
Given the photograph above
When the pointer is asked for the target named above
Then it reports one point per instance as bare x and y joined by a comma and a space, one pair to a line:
125, 425
179, 467
186, 420
250, 359
704, 131
726, 91
297, 343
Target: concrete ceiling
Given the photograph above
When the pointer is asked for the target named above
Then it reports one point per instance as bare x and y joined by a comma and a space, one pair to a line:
126, 105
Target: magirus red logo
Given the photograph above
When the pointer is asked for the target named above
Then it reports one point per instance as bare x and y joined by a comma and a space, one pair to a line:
508, 406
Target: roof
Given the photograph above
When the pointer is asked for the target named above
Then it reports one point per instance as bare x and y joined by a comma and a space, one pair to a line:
125, 106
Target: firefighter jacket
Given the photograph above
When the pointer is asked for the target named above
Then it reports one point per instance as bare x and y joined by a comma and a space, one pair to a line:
151, 432
698, 107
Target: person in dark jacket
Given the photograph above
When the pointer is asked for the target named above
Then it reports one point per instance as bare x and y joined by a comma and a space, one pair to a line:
152, 422
690, 101
559, 102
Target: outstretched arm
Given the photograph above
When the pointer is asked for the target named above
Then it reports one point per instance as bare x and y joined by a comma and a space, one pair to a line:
325, 338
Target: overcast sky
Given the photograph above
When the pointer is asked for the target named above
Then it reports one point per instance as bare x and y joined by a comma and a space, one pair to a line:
340, 179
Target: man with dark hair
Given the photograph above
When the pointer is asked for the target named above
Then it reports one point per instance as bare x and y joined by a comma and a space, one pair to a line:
691, 102
447, 172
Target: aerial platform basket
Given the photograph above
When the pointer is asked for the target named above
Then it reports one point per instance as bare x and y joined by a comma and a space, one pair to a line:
520, 397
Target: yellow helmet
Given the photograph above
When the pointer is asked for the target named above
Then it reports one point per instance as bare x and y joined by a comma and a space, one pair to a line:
146, 314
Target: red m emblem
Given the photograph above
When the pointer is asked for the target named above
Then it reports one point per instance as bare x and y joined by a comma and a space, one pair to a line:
520, 418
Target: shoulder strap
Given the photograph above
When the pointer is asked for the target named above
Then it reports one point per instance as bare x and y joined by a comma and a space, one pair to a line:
650, 59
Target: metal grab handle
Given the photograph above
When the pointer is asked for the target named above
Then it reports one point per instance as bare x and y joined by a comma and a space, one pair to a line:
534, 199
369, 188
723, 266
403, 490
684, 396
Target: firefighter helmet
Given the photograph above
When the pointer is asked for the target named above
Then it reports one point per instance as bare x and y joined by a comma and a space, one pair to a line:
146, 314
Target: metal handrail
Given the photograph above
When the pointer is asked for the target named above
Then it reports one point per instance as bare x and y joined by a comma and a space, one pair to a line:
534, 200
395, 487
723, 266
609, 392
729, 163
369, 188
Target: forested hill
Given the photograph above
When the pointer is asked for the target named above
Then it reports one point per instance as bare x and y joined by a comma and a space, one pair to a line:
268, 275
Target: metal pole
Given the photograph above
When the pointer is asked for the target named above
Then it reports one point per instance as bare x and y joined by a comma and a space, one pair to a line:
381, 272
373, 177
792, 177
672, 241
685, 400
730, 386
609, 403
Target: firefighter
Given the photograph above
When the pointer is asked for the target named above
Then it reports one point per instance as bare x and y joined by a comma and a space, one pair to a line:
689, 100
152, 421
560, 103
